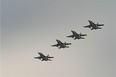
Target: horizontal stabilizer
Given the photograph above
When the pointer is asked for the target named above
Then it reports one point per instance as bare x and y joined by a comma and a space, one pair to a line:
100, 24
83, 34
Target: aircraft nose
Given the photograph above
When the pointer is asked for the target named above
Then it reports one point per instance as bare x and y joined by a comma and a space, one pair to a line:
56, 39
72, 31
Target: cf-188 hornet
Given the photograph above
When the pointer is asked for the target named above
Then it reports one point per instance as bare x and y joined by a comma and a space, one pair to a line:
93, 25
76, 35
43, 57
61, 44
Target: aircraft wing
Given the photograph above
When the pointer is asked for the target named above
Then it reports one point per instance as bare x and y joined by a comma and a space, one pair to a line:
90, 22
41, 54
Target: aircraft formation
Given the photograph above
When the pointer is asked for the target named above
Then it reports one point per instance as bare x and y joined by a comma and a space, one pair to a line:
74, 35
42, 57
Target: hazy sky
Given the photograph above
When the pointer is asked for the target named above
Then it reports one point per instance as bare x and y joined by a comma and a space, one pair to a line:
31, 26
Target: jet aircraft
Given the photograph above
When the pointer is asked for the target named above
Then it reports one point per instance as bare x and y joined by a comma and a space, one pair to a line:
61, 44
93, 25
76, 35
43, 57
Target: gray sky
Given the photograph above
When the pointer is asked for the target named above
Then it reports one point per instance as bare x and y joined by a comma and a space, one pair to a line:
29, 26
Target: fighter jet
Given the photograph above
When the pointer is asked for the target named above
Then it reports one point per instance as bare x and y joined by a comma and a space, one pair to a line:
76, 35
43, 57
93, 25
61, 44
